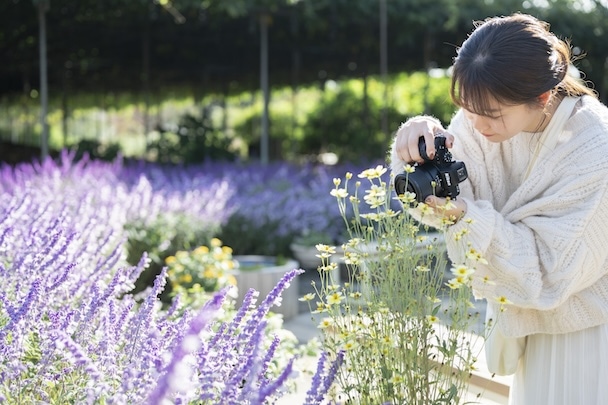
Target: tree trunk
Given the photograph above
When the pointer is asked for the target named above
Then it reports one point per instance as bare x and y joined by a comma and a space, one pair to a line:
264, 23
43, 6
384, 68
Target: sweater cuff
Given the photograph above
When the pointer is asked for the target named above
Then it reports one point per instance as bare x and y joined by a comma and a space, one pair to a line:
475, 228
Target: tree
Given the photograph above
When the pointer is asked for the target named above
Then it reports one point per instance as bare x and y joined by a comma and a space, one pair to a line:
42, 7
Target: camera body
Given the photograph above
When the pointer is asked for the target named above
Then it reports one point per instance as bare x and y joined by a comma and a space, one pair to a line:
439, 176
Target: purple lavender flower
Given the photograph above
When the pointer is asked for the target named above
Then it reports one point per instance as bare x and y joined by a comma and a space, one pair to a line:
65, 300
175, 370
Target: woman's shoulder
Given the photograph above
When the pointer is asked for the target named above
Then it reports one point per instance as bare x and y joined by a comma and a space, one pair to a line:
590, 112
586, 130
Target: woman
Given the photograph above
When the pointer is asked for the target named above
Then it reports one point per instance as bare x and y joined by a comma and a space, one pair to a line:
538, 216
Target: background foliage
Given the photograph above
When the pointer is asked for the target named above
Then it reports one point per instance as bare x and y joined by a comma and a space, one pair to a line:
212, 45
177, 80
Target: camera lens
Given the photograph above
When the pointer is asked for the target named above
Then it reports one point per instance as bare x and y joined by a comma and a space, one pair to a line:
422, 182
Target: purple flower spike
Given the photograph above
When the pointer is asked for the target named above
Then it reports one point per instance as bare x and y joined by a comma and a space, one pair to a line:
321, 381
177, 370
282, 285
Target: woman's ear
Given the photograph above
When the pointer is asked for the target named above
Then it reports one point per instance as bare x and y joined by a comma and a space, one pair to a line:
544, 98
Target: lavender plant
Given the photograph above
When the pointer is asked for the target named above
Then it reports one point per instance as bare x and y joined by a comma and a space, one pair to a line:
70, 331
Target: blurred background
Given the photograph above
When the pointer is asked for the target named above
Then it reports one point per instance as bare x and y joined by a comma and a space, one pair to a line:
183, 81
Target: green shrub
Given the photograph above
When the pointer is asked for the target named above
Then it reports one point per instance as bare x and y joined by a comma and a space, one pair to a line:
343, 124
249, 238
96, 150
160, 238
193, 141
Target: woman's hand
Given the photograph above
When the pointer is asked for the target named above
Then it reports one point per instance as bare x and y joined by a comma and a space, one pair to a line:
450, 210
408, 135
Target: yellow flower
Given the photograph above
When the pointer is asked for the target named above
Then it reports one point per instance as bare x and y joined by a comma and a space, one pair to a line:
475, 255
307, 297
344, 335
181, 255
321, 307
375, 196
328, 268
337, 181
391, 213
215, 242
459, 235
409, 168
201, 250
432, 318
448, 205
425, 209
462, 271
433, 300
407, 198
326, 323
339, 193
334, 298
423, 268
454, 284
502, 300
325, 248
374, 173
348, 346
396, 379
170, 260
387, 340
210, 273
487, 280
371, 216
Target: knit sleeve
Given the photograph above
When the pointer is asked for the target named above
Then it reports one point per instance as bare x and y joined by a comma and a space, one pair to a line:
463, 148
549, 243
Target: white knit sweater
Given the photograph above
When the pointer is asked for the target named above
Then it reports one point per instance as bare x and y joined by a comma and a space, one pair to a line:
545, 238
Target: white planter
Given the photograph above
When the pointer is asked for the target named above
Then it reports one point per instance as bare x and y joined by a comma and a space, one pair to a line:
264, 278
306, 256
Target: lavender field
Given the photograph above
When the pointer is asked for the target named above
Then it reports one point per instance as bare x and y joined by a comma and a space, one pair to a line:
71, 331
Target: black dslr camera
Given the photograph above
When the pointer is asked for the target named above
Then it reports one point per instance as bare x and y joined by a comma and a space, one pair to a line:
439, 176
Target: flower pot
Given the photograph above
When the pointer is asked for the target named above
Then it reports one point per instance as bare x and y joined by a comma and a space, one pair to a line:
306, 255
262, 274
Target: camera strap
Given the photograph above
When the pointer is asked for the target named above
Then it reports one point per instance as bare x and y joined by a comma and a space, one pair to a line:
548, 139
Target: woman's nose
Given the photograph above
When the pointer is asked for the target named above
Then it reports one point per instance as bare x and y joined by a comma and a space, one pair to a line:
478, 122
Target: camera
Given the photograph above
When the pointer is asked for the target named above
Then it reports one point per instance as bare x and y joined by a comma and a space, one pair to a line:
439, 176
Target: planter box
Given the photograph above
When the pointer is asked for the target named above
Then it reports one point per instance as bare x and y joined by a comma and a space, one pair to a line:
263, 277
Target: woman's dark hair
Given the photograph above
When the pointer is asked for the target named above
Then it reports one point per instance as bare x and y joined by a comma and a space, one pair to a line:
512, 60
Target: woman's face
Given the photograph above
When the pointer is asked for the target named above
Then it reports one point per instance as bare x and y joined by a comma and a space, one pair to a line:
506, 121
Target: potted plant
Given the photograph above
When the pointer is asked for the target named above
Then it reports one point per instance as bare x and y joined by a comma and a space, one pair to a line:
206, 269
405, 331
262, 273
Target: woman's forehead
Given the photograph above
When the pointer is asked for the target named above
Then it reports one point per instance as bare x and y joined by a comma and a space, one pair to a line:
481, 102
